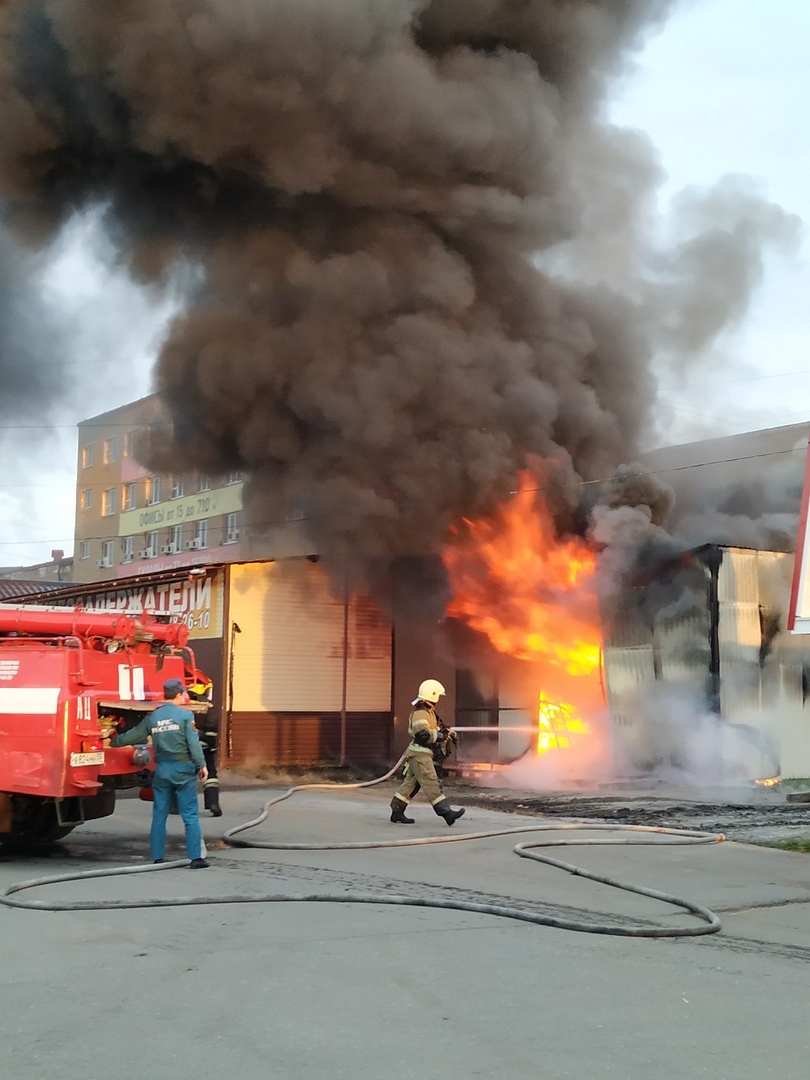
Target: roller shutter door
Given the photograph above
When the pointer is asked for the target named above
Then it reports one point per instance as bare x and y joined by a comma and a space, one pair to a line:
289, 654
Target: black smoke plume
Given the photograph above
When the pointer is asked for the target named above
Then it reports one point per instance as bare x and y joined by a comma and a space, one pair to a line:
370, 196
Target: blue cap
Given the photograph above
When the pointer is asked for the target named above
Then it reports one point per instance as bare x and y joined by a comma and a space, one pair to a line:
172, 688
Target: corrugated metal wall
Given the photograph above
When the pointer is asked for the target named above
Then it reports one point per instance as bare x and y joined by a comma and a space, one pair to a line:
760, 668
288, 668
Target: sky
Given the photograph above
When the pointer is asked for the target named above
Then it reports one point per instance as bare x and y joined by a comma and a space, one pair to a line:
724, 89
720, 89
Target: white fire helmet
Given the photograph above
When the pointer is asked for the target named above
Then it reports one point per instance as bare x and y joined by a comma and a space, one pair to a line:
430, 690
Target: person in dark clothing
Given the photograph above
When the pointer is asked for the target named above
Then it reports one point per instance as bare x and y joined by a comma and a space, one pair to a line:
208, 730
179, 761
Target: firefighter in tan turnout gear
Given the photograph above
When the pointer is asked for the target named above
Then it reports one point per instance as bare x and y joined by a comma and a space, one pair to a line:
428, 734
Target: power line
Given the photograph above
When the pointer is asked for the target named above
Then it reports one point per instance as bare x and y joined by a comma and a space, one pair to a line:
262, 525
742, 378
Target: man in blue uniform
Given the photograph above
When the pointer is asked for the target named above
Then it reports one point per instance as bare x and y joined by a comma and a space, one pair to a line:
179, 761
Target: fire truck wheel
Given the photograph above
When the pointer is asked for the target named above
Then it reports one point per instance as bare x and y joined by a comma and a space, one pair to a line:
34, 824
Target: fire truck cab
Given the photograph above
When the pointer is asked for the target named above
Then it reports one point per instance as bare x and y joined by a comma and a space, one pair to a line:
66, 674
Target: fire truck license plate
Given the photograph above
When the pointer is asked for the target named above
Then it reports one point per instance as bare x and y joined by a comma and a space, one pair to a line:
88, 759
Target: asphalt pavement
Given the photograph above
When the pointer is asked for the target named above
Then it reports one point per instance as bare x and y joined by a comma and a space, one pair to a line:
342, 990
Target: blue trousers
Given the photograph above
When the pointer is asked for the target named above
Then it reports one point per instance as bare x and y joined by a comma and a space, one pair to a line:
175, 780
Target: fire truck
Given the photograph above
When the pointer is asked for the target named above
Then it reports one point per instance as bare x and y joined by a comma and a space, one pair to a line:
66, 675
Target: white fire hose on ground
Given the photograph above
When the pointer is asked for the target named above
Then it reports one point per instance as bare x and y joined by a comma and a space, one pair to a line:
710, 922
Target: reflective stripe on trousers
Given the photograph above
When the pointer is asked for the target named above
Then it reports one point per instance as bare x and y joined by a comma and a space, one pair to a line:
421, 774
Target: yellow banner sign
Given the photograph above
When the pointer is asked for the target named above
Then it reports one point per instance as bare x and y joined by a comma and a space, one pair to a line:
224, 500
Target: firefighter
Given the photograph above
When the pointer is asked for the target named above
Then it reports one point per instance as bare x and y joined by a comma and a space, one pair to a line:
428, 734
208, 730
178, 761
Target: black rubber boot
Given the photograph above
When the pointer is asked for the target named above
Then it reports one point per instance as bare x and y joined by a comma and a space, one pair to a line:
398, 812
445, 810
211, 799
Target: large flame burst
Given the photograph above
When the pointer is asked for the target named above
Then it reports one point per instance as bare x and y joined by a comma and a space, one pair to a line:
532, 593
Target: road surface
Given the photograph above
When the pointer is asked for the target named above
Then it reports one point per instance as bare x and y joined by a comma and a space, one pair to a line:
357, 992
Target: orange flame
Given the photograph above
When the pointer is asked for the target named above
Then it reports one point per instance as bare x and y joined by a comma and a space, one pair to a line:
529, 592
532, 594
556, 723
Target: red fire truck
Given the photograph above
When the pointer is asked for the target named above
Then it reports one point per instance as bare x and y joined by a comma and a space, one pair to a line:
64, 675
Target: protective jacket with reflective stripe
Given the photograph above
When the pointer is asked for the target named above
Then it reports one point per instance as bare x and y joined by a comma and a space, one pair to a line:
423, 718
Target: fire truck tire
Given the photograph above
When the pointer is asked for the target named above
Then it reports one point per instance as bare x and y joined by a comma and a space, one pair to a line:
34, 824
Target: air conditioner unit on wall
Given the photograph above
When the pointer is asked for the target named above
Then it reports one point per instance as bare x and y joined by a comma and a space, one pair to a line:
231, 537
169, 549
147, 553
102, 564
127, 558
194, 545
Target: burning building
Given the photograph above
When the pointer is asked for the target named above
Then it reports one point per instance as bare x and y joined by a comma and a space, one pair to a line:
416, 260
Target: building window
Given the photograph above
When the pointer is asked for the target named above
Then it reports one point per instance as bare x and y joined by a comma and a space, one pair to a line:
150, 548
152, 490
178, 487
84, 549
127, 548
109, 502
107, 552
234, 477
109, 453
86, 456
231, 528
86, 499
200, 535
175, 543
129, 496
203, 482
131, 444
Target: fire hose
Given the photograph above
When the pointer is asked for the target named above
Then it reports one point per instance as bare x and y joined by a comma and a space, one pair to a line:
710, 922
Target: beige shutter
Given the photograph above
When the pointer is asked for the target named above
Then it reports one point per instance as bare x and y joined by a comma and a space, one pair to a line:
289, 655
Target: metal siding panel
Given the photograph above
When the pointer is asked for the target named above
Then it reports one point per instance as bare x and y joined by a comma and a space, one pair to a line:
740, 632
682, 647
738, 578
740, 692
627, 669
624, 626
368, 686
262, 739
289, 657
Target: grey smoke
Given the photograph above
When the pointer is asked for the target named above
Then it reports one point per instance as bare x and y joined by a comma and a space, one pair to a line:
373, 195
675, 738
31, 335
709, 271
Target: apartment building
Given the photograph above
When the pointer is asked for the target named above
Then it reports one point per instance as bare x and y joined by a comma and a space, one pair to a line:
130, 521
